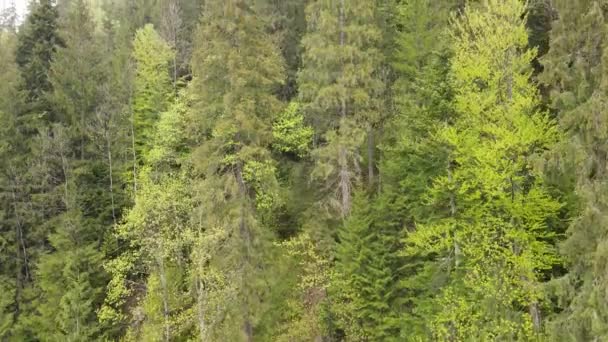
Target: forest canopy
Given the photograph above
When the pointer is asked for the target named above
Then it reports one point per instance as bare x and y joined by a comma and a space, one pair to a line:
304, 170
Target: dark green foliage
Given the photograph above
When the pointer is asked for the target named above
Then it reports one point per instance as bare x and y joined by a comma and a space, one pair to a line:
364, 291
575, 74
38, 41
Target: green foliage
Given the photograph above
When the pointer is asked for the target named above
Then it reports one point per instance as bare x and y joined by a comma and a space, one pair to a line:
153, 87
574, 71
495, 244
189, 170
236, 67
363, 288
290, 133
340, 90
75, 98
38, 41
302, 318
69, 279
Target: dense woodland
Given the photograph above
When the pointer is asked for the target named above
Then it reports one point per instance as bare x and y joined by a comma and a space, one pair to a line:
304, 170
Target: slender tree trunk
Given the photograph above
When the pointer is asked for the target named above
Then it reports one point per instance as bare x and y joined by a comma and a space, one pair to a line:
202, 327
20, 236
109, 150
344, 177
165, 295
134, 154
64, 168
371, 147
246, 236
77, 307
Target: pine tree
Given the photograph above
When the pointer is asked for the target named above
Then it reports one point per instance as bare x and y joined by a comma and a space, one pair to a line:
27, 179
340, 90
496, 243
574, 71
237, 68
69, 279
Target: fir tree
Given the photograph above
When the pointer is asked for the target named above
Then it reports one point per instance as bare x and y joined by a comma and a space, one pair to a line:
76, 73
364, 285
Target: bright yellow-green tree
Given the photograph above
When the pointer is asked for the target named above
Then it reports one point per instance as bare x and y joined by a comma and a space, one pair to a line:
495, 243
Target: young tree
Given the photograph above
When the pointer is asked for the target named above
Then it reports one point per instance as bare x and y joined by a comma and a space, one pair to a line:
153, 88
76, 73
363, 289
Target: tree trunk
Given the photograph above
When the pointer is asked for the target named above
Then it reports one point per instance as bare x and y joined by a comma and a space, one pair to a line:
109, 150
165, 295
371, 147
344, 176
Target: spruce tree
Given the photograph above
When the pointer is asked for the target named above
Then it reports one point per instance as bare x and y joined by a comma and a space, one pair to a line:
38, 41
412, 155
77, 73
9, 246
363, 286
574, 71
495, 243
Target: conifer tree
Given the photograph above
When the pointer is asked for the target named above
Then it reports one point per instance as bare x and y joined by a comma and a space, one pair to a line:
9, 243
364, 283
38, 41
153, 88
237, 67
87, 209
340, 89
25, 181
76, 73
495, 242
69, 279
575, 72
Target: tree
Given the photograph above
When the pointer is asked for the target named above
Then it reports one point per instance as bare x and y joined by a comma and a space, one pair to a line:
237, 68
153, 86
340, 90
38, 41
574, 71
149, 271
76, 73
364, 285
496, 242
69, 279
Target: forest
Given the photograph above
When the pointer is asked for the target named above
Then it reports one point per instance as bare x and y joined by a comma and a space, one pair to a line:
304, 170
